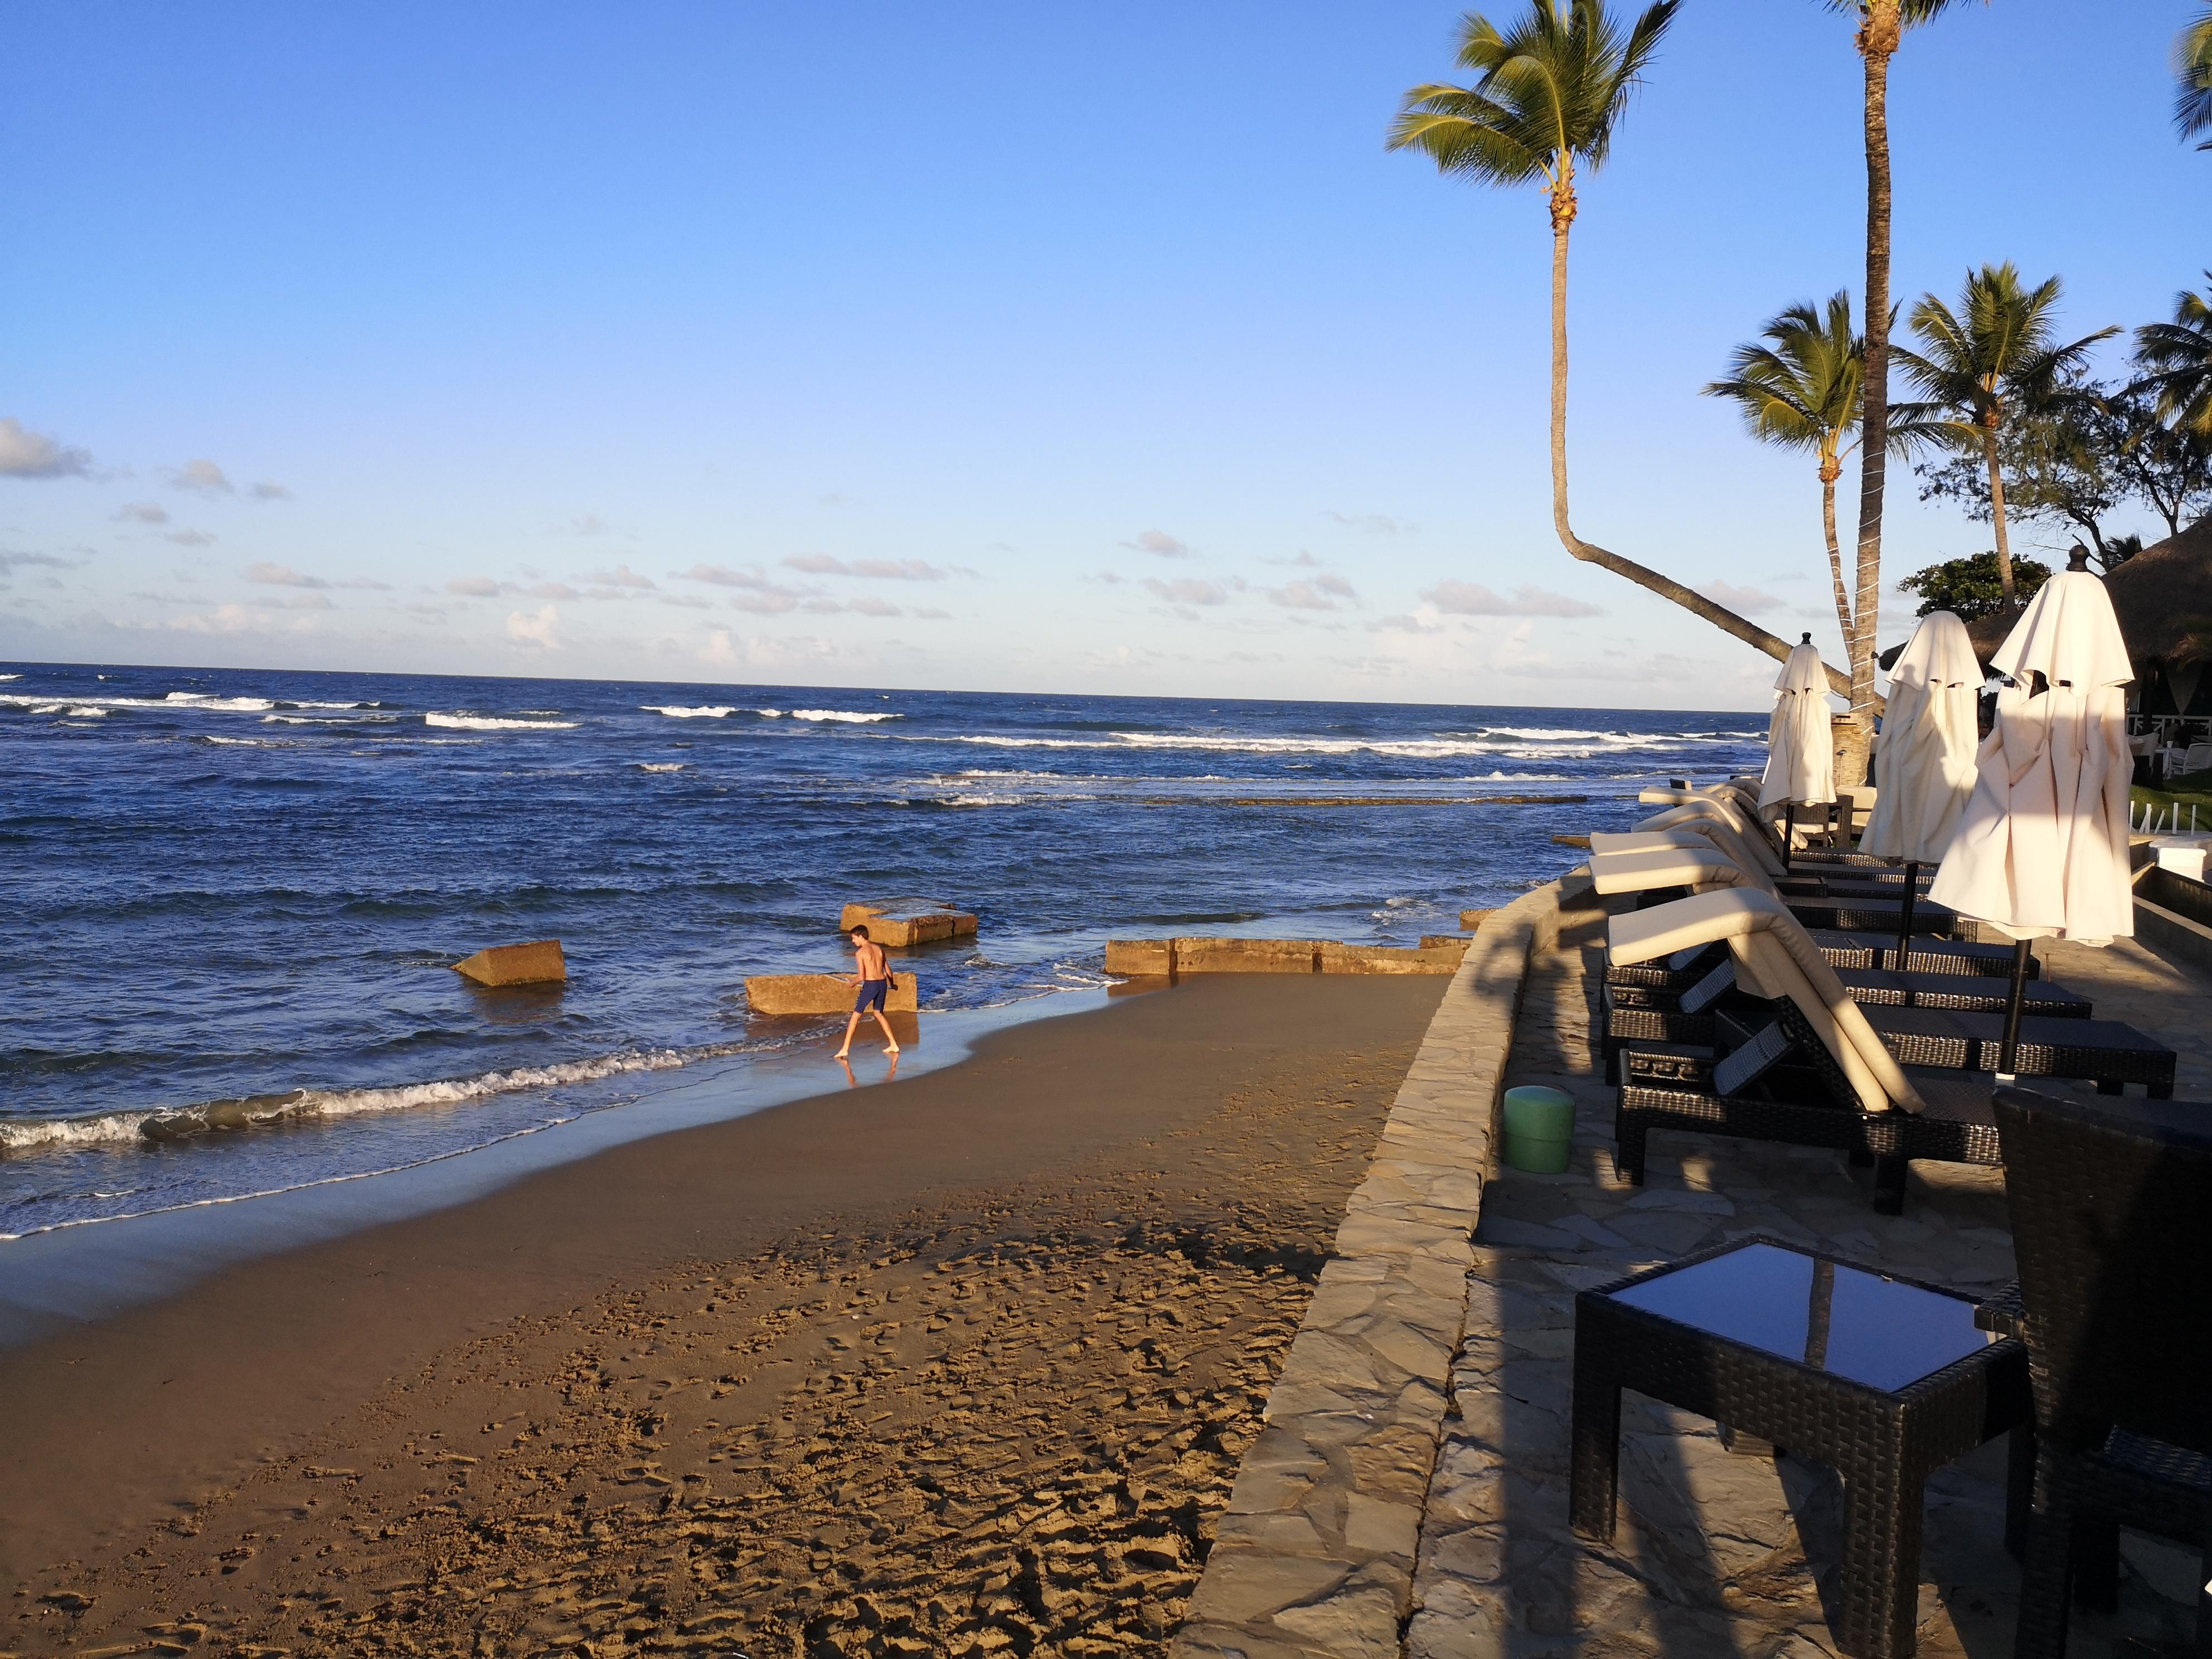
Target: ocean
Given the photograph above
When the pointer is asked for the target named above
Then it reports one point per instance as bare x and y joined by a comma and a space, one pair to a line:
231, 898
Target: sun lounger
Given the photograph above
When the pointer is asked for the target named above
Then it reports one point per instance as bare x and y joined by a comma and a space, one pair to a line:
1810, 1067
1659, 872
1941, 956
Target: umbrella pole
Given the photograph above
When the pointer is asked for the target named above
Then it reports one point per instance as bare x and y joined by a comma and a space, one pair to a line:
1905, 912
2008, 1057
1789, 832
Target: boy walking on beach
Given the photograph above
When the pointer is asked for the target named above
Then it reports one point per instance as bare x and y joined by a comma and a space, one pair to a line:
874, 980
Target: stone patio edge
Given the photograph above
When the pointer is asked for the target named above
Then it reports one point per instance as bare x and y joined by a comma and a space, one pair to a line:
1314, 1557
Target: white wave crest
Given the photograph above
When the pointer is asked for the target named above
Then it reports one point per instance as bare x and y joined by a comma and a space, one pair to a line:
705, 711
489, 723
660, 766
237, 743
839, 715
231, 705
18, 677
19, 1135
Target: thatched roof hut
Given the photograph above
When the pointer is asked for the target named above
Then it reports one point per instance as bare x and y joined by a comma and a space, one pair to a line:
2163, 598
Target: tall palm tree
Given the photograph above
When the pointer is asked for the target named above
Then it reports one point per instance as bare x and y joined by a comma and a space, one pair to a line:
1992, 356
1801, 391
1882, 24
2192, 68
2179, 355
1550, 89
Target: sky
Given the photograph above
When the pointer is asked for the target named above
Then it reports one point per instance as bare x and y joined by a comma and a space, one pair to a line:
1098, 347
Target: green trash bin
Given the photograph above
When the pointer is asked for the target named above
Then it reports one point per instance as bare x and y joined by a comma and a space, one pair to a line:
1540, 1130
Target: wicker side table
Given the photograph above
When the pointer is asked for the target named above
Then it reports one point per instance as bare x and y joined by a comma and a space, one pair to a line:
1885, 1380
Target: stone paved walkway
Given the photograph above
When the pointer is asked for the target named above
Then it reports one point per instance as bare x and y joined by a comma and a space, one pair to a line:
1719, 1553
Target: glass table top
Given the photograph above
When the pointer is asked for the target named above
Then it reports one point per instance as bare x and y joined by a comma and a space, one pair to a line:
1842, 1320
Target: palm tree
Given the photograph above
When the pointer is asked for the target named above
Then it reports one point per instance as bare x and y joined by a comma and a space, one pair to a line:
1881, 30
2179, 354
1548, 93
1991, 356
1801, 391
2192, 68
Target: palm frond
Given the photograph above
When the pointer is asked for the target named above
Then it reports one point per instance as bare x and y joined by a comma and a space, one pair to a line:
1550, 89
2193, 69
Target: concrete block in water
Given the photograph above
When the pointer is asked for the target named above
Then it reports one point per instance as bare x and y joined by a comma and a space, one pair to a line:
538, 962
1140, 958
1471, 920
1389, 959
1247, 955
821, 994
1456, 943
903, 922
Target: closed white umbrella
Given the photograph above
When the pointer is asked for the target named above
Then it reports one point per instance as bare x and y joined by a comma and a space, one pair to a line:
1800, 754
1924, 753
2041, 850
1925, 756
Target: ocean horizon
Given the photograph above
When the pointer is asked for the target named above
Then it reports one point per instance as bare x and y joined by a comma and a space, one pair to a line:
237, 893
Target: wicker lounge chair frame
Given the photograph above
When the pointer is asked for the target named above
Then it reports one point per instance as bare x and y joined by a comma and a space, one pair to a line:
2115, 1304
1884, 1443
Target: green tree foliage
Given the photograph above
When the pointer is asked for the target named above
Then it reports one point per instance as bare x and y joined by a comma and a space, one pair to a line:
1993, 358
2177, 358
1971, 588
2192, 71
2071, 464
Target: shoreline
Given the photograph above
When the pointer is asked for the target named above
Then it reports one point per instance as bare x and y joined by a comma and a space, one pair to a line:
1030, 1344
55, 1276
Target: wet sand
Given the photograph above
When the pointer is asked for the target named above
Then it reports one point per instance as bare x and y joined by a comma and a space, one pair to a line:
961, 1366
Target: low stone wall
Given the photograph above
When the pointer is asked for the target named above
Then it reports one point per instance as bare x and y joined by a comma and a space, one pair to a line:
1314, 1558
1142, 958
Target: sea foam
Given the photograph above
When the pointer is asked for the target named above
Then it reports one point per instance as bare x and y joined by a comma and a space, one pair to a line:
490, 723
839, 715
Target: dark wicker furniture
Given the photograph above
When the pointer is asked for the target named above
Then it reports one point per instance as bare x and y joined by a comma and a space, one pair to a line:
1885, 1380
1872, 987
1672, 1087
1950, 1039
1843, 950
2110, 1206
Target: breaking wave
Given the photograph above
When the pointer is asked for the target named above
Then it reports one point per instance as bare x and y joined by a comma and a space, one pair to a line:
705, 711
21, 1135
838, 716
492, 723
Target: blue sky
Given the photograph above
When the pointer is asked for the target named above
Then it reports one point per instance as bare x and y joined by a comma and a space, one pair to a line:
1088, 347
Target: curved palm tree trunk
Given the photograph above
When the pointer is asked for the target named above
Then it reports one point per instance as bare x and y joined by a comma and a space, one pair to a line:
1878, 39
1563, 218
1828, 476
1997, 511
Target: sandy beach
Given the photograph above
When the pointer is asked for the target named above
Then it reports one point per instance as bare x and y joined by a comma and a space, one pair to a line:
960, 1366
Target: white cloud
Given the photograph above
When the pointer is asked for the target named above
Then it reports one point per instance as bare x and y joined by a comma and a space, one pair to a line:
142, 513
1306, 596
723, 576
241, 619
1458, 599
717, 650
307, 601
191, 537
1375, 524
869, 605
686, 601
265, 491
1189, 589
1747, 601
473, 587
895, 570
931, 613
588, 524
1159, 542
205, 477
283, 576
27, 454
1408, 623
535, 629
550, 591
773, 603
621, 576
18, 561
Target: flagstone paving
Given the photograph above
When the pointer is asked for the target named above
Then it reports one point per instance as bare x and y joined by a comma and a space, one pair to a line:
1719, 1553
